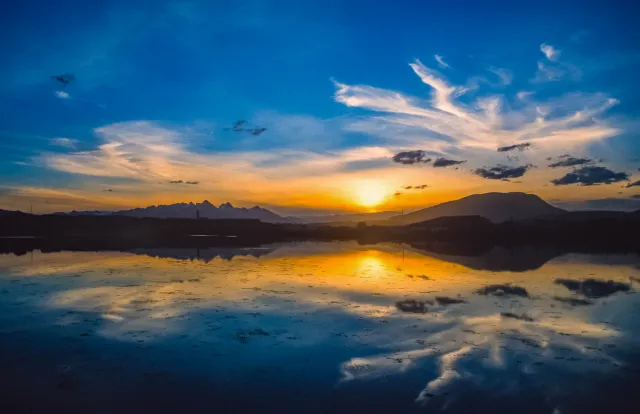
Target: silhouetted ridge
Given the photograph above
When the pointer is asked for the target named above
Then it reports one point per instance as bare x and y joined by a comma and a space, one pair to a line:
496, 207
204, 210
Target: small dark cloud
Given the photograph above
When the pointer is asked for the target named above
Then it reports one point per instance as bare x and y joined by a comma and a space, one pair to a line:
192, 182
416, 187
412, 306
593, 288
184, 182
176, 182
519, 147
634, 184
443, 162
109, 190
256, 131
573, 301
522, 317
397, 194
502, 172
238, 125
571, 161
64, 79
503, 290
411, 157
243, 126
591, 176
445, 300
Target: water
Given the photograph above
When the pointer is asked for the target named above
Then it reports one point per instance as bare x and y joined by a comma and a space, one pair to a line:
319, 328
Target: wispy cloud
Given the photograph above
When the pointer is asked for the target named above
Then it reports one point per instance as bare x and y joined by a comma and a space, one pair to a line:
64, 142
441, 61
62, 94
506, 77
489, 122
553, 70
550, 52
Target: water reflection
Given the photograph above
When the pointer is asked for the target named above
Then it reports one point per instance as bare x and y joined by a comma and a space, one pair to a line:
318, 327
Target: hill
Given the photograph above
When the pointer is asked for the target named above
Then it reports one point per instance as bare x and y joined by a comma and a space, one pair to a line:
497, 207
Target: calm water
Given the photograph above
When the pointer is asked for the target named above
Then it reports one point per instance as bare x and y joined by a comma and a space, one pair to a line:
319, 328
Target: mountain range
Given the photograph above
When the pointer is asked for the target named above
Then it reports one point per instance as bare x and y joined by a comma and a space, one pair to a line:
497, 207
193, 210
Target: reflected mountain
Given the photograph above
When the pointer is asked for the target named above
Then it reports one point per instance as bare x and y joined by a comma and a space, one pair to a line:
475, 256
491, 258
594, 288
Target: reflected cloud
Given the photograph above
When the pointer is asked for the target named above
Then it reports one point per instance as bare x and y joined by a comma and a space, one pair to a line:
503, 290
594, 288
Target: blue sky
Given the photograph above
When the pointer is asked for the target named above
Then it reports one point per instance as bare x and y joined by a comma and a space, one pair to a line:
159, 85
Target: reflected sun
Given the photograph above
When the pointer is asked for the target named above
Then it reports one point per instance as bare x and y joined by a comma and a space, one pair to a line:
370, 193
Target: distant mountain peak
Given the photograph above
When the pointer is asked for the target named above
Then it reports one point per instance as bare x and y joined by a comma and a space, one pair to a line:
226, 205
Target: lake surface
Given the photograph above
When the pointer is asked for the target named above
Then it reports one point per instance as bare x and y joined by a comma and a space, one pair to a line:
319, 328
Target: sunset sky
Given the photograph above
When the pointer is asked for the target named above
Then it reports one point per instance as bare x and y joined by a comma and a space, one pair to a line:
340, 86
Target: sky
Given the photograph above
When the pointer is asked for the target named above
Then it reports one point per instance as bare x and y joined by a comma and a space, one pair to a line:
346, 106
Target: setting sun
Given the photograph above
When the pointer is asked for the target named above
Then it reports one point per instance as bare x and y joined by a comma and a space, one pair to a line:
370, 193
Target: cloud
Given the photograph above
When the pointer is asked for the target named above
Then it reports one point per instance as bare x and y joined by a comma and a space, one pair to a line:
634, 184
506, 77
62, 95
443, 122
412, 306
64, 142
523, 317
184, 182
593, 288
636, 196
411, 157
443, 162
415, 187
550, 52
441, 62
573, 301
522, 95
519, 147
571, 161
503, 290
587, 176
502, 172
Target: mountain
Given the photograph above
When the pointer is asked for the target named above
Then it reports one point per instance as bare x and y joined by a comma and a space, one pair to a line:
497, 207
192, 210
11, 213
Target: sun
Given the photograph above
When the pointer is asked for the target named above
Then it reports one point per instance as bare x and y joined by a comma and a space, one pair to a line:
370, 193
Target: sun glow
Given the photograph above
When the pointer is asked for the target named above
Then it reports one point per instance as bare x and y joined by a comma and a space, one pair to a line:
370, 193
